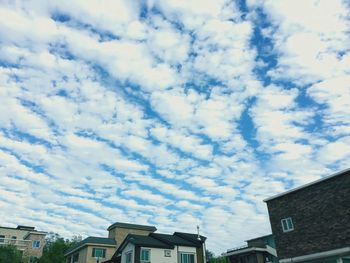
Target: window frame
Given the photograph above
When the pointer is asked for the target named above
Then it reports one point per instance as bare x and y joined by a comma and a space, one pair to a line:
126, 256
75, 257
98, 248
287, 224
36, 242
149, 255
189, 254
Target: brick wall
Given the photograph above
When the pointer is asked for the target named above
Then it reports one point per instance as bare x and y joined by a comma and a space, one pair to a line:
320, 214
36, 252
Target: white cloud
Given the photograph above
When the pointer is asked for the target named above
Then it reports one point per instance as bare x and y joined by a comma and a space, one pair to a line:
164, 118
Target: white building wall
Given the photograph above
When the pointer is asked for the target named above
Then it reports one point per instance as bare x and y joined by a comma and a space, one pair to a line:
128, 248
158, 256
187, 249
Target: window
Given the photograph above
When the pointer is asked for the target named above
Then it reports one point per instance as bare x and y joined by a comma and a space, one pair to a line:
186, 258
36, 243
128, 257
76, 258
287, 224
98, 252
145, 255
167, 253
2, 239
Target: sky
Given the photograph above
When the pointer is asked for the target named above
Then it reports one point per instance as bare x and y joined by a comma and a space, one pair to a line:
173, 113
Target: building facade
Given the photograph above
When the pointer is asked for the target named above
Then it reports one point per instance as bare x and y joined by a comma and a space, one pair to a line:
98, 249
312, 223
258, 250
26, 239
161, 248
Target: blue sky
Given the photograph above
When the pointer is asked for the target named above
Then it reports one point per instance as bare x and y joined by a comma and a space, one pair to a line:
173, 113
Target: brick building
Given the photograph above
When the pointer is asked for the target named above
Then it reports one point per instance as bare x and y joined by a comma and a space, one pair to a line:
312, 223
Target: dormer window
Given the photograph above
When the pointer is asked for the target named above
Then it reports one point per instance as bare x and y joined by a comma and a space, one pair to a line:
287, 224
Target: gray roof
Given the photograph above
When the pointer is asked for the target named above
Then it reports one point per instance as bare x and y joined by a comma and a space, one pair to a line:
252, 239
91, 240
172, 239
148, 241
132, 226
309, 184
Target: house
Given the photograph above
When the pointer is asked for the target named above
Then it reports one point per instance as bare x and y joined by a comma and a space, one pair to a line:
311, 223
26, 239
90, 249
258, 250
98, 249
161, 248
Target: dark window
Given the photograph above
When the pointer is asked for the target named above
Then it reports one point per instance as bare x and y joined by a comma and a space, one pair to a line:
76, 258
36, 243
287, 224
98, 252
186, 258
145, 255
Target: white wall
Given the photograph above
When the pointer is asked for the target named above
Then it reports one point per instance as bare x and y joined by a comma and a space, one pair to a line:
187, 249
157, 254
129, 247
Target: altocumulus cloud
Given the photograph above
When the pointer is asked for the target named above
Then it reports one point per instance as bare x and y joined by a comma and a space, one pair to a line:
172, 113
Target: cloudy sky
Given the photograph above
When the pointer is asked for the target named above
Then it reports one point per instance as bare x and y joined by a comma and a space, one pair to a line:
172, 113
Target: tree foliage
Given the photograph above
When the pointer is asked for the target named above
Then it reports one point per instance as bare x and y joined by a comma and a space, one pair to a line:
218, 260
211, 258
55, 247
10, 254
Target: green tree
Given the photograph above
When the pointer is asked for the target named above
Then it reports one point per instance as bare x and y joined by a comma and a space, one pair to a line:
218, 260
10, 254
211, 258
54, 249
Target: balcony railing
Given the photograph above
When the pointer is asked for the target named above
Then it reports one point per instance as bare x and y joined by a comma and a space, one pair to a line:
19, 243
237, 248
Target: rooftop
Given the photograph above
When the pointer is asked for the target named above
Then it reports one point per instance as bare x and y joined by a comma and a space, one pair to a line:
132, 226
30, 229
309, 184
91, 240
157, 240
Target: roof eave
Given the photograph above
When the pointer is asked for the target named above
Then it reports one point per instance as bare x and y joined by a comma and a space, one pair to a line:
306, 185
88, 244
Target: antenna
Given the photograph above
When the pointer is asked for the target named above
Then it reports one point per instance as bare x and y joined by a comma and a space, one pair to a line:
198, 236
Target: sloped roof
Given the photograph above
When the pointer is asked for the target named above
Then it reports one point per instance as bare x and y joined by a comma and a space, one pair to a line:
343, 172
191, 237
172, 239
162, 241
91, 240
148, 241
